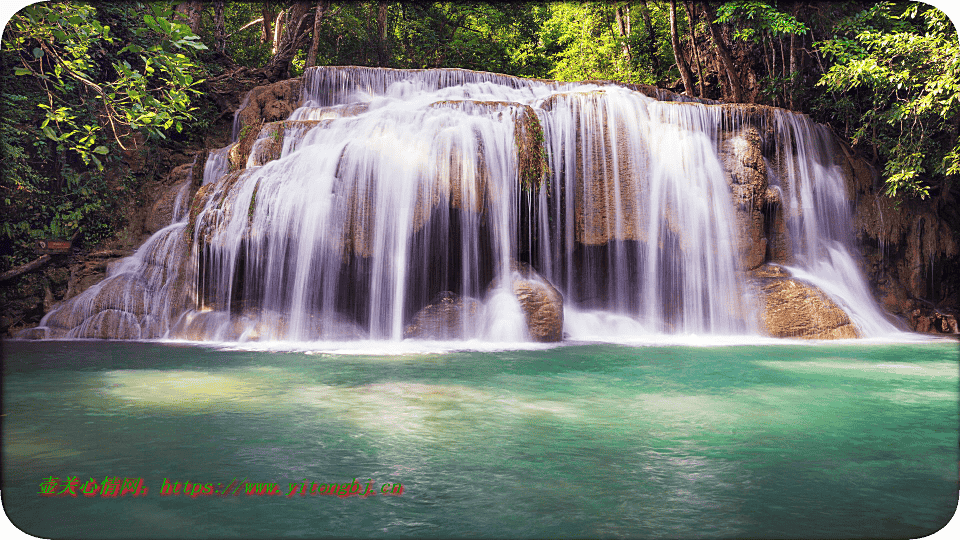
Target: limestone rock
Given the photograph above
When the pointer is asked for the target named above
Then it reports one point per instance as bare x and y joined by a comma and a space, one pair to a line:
269, 103
541, 302
932, 321
445, 317
162, 212
264, 104
790, 308
37, 332
745, 172
109, 324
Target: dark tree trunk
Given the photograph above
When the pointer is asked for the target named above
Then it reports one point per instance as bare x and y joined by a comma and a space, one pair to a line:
691, 17
735, 87
623, 26
678, 53
191, 11
651, 39
383, 46
266, 30
297, 23
219, 32
318, 16
24, 268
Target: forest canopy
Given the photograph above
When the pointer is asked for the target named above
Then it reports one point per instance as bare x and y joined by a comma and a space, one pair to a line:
84, 84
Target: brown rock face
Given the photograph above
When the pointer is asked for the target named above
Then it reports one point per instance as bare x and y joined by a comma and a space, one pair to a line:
930, 321
793, 309
911, 247
746, 174
541, 303
445, 317
270, 103
161, 213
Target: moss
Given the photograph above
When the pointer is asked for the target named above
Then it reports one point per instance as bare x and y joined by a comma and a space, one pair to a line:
531, 154
253, 203
241, 150
196, 205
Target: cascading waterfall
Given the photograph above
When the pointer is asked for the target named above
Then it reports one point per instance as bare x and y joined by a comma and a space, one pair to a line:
389, 190
820, 221
648, 231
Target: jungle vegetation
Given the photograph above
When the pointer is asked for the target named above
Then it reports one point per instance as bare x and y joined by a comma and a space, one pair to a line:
86, 84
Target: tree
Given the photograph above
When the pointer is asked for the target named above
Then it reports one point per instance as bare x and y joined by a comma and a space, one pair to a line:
80, 82
147, 86
762, 24
904, 60
681, 62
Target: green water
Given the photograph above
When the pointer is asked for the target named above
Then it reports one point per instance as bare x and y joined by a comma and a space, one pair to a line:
595, 440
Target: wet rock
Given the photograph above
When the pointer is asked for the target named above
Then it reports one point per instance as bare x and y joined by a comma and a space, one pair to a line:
913, 244
790, 308
263, 104
948, 324
109, 324
33, 333
745, 172
269, 103
447, 316
932, 321
541, 302
161, 213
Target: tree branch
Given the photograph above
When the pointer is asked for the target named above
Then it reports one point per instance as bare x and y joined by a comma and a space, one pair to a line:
24, 268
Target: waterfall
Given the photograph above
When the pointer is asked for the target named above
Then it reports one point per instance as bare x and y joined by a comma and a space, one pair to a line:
820, 220
390, 198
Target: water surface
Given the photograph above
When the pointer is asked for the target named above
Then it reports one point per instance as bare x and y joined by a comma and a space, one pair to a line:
791, 440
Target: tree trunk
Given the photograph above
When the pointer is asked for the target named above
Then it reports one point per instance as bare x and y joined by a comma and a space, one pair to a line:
318, 16
24, 268
266, 31
277, 32
288, 39
191, 11
623, 26
219, 33
383, 48
691, 17
735, 86
651, 39
797, 65
678, 53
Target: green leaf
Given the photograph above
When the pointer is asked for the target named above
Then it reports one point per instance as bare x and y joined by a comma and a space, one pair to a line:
101, 149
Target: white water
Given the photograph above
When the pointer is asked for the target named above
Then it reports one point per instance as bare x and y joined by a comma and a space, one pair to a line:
820, 222
391, 186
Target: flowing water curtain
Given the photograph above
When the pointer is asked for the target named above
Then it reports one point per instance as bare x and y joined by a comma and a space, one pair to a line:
819, 219
371, 183
641, 213
388, 189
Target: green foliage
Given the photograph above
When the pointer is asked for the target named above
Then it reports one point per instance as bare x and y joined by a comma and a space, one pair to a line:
582, 42
78, 80
904, 60
754, 20
147, 86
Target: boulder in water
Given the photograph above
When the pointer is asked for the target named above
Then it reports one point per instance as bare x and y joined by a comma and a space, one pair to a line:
447, 316
541, 302
790, 308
